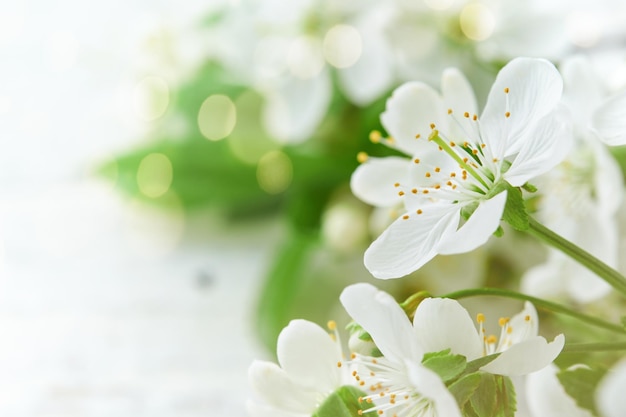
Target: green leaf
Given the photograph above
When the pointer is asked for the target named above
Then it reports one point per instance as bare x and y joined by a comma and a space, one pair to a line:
281, 287
463, 388
476, 364
445, 364
529, 187
342, 403
624, 322
515, 211
493, 397
580, 384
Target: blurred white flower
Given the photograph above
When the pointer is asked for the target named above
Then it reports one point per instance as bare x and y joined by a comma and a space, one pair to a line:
440, 324
580, 198
294, 48
311, 368
610, 399
460, 162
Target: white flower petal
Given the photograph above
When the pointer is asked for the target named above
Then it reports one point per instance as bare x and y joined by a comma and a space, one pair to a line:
609, 120
373, 181
545, 396
441, 324
307, 353
610, 397
430, 385
407, 244
528, 356
409, 112
383, 318
277, 390
295, 107
534, 87
478, 228
457, 92
524, 324
582, 91
545, 146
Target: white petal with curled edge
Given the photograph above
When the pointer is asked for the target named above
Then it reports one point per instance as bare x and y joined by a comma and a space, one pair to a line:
307, 353
408, 244
478, 228
295, 107
430, 385
409, 112
373, 181
528, 356
524, 324
383, 318
609, 120
545, 147
610, 397
535, 88
441, 323
274, 387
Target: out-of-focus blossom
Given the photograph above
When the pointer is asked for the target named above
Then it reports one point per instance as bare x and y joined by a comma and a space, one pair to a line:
460, 163
463, 33
440, 324
545, 396
580, 197
610, 398
292, 50
310, 370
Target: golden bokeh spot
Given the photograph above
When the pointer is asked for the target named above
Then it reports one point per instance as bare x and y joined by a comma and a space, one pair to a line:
477, 21
154, 175
274, 172
217, 117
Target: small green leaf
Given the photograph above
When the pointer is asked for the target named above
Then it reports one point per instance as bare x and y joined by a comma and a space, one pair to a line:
342, 403
580, 384
476, 364
484, 400
463, 388
514, 211
529, 187
445, 364
507, 403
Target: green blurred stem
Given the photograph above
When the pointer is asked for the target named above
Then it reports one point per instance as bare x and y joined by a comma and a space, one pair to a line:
610, 275
543, 304
593, 347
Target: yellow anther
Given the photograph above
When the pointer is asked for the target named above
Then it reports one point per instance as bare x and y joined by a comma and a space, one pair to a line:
360, 400
482, 145
414, 190
449, 111
374, 360
502, 321
332, 325
360, 412
452, 144
480, 318
466, 115
465, 144
453, 174
380, 412
474, 117
437, 169
369, 401
339, 364
397, 184
440, 148
354, 373
372, 374
405, 217
418, 136
475, 151
375, 136
506, 90
391, 140
427, 175
416, 160
437, 186
361, 383
361, 157
432, 126
449, 183
353, 356
382, 394
509, 330
527, 318
424, 191
491, 339
507, 114
419, 211
400, 193
465, 160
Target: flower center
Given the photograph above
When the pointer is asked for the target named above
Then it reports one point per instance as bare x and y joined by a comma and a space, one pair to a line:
491, 343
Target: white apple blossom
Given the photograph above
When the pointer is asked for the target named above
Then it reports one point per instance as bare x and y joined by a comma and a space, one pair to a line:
311, 368
580, 198
546, 397
459, 161
441, 324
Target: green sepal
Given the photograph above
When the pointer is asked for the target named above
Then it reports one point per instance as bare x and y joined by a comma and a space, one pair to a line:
447, 365
529, 187
515, 212
344, 402
499, 232
493, 397
476, 364
464, 387
580, 384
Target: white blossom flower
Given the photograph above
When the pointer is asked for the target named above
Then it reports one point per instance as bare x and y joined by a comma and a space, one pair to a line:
580, 198
610, 399
311, 368
441, 324
459, 161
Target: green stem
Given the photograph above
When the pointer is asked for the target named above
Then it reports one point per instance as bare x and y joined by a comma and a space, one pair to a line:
610, 275
593, 347
543, 304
